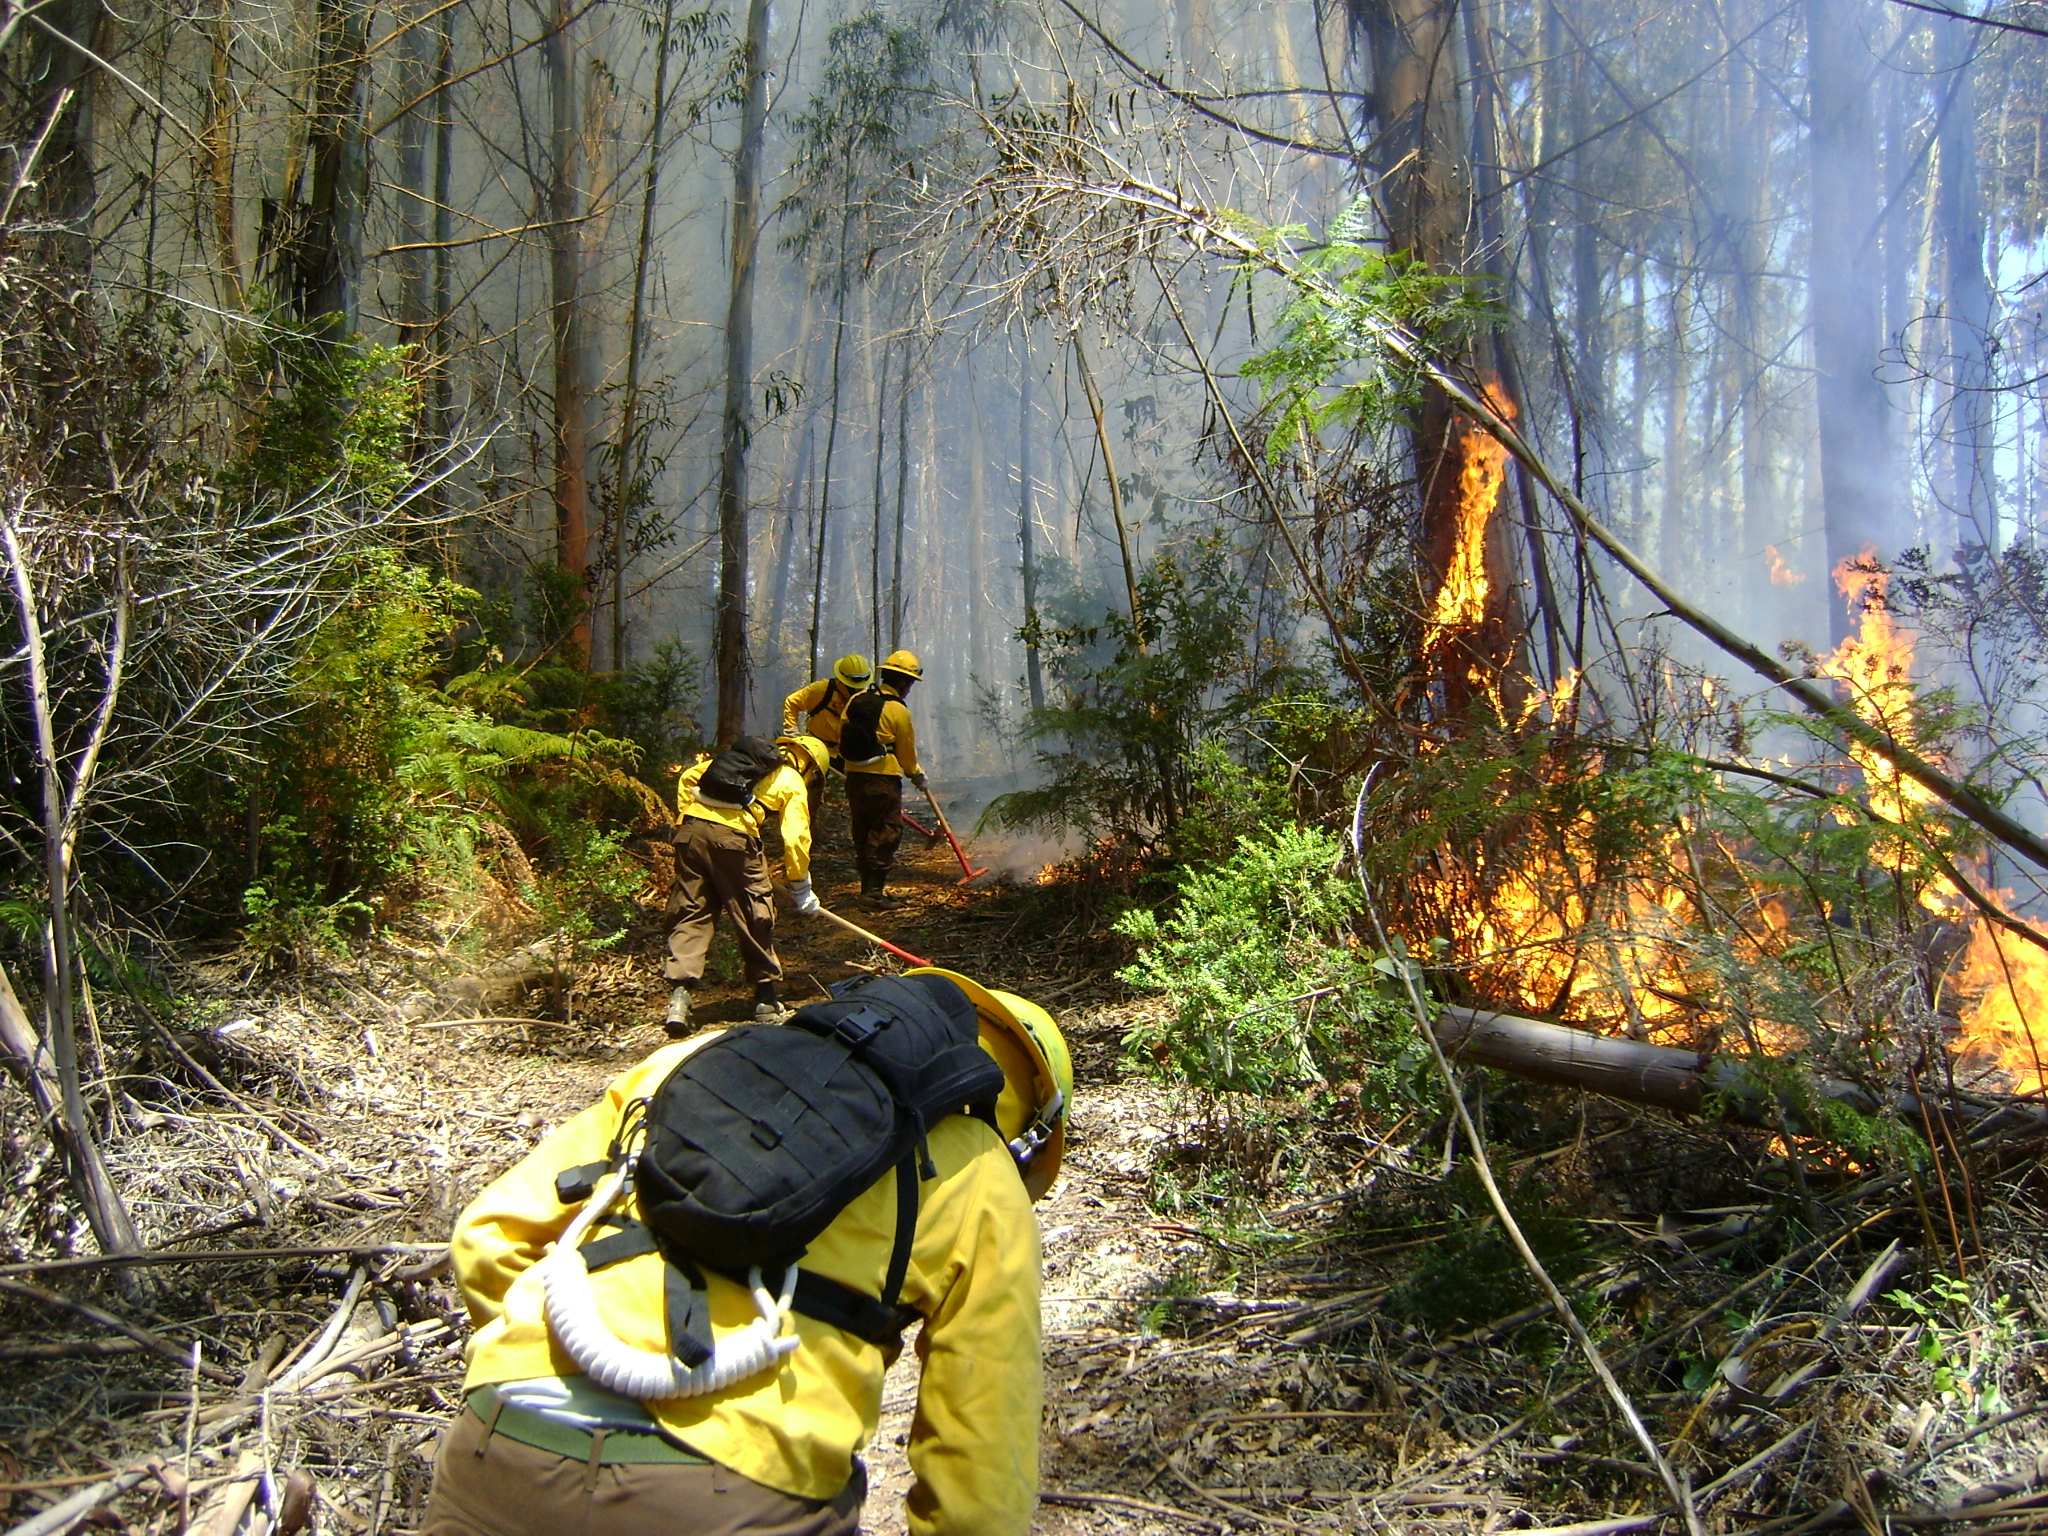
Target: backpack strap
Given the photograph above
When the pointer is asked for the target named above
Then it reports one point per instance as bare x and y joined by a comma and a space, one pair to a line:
683, 1300
878, 1320
906, 1230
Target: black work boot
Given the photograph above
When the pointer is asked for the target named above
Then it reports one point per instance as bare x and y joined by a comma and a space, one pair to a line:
767, 1005
677, 1023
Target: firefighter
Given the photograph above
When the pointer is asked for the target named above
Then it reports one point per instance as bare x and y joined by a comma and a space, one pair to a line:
541, 1449
720, 865
878, 742
822, 704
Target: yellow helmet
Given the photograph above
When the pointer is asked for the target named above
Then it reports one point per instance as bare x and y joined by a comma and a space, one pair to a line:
854, 670
905, 662
1038, 1076
805, 753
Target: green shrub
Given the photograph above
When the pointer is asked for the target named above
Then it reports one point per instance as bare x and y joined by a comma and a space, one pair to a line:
1269, 989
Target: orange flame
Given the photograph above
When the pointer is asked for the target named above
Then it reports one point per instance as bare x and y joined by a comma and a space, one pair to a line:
2004, 981
1782, 574
1461, 600
1877, 664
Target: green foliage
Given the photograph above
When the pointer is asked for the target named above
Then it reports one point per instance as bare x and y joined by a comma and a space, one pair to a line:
856, 134
320, 414
1239, 955
1130, 742
1967, 1341
1473, 1275
1333, 365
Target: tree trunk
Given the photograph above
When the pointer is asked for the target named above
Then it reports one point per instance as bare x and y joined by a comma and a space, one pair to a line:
566, 211
56, 1078
331, 254
902, 495
875, 530
1671, 519
1419, 157
1027, 512
731, 648
1766, 1092
837, 386
66, 98
1116, 494
628, 495
1843, 284
444, 234
1969, 300
415, 210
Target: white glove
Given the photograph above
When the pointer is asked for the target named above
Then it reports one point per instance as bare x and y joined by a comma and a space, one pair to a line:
802, 899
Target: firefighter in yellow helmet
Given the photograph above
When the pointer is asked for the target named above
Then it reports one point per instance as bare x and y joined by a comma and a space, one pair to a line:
542, 1449
726, 803
878, 741
822, 706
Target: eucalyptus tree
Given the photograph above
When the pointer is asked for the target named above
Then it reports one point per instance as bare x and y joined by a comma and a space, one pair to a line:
852, 141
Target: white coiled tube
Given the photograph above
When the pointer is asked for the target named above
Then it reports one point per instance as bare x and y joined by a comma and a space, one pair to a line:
642, 1374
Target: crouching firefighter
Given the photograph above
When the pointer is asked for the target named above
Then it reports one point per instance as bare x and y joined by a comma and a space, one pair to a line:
685, 1299
725, 803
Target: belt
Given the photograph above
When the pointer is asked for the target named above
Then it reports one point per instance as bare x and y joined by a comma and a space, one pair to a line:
600, 1447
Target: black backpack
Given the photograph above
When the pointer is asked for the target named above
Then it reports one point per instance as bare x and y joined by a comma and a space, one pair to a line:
757, 1141
738, 770
858, 741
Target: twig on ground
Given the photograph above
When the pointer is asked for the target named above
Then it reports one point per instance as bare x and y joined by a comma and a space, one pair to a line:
156, 1343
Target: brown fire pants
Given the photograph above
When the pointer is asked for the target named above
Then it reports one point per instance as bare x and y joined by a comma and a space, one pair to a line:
875, 801
488, 1485
719, 868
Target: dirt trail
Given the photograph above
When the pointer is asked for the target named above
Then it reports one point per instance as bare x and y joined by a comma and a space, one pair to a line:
1239, 1366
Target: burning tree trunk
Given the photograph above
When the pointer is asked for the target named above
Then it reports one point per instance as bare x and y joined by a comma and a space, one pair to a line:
1424, 195
1745, 1090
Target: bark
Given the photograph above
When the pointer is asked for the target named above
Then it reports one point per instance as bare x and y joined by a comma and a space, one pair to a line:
875, 527
627, 493
902, 496
831, 443
1027, 512
731, 645
1969, 301
92, 1184
217, 131
1772, 1094
1671, 522
415, 209
1489, 110
572, 368
974, 589
1425, 197
66, 88
1843, 283
64, 782
444, 231
330, 252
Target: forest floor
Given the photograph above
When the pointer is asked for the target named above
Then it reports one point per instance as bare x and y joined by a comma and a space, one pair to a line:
1350, 1346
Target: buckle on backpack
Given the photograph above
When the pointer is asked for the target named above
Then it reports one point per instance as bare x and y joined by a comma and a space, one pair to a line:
860, 1026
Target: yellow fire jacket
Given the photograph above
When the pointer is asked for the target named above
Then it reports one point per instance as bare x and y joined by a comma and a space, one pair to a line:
782, 794
974, 1275
825, 702
897, 734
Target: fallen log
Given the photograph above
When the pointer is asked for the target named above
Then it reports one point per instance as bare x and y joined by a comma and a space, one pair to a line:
1772, 1092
